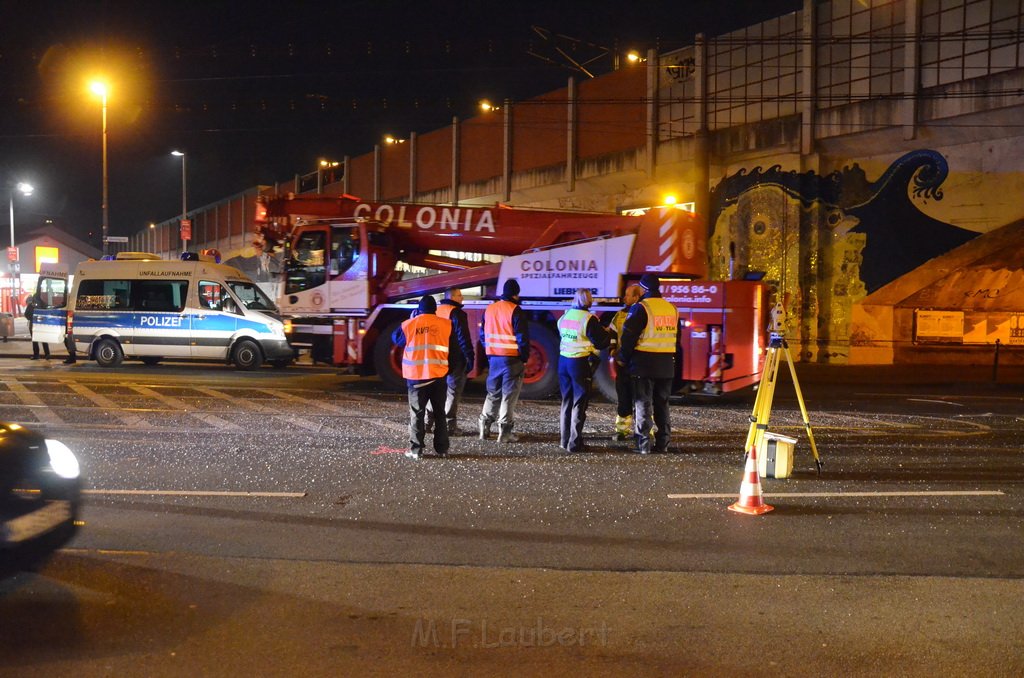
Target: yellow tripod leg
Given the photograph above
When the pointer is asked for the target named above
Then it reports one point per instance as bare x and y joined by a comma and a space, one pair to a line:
763, 402
803, 409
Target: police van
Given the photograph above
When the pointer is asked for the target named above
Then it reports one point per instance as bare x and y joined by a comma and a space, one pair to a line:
139, 306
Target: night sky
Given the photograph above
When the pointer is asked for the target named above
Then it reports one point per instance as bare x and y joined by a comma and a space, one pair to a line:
256, 92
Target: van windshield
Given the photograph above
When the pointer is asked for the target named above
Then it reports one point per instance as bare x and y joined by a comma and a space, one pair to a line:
252, 297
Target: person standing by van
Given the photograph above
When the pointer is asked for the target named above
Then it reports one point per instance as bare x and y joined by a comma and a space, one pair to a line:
30, 309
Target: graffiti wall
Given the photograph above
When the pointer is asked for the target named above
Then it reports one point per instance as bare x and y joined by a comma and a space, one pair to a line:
828, 241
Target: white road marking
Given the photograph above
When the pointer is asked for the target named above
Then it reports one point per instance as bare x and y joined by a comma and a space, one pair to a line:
178, 405
338, 409
133, 420
197, 493
923, 493
266, 409
44, 412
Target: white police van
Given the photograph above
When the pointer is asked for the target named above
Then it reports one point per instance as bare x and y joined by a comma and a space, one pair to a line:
139, 306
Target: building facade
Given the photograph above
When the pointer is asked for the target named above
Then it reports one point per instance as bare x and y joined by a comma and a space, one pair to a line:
834, 149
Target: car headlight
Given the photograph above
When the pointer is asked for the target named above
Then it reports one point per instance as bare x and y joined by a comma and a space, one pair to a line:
62, 459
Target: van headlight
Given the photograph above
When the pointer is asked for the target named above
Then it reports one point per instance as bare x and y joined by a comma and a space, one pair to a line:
62, 460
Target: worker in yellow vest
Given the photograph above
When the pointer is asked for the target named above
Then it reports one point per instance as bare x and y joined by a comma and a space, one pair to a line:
505, 335
623, 382
426, 342
647, 348
582, 336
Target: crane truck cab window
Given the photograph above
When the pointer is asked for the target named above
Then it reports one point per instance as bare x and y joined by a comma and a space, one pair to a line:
306, 264
344, 249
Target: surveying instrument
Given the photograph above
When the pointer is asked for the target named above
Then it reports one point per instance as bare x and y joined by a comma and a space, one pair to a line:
777, 347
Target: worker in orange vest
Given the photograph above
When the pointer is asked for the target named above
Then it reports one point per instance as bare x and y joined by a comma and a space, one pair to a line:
460, 362
427, 341
505, 335
581, 339
647, 347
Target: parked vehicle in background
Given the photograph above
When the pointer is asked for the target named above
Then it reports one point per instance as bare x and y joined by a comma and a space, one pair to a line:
345, 287
137, 305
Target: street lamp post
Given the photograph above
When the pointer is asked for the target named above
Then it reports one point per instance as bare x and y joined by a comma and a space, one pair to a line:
184, 195
26, 190
101, 89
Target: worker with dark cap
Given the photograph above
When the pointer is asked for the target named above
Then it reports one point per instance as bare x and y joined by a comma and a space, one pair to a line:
581, 338
505, 335
427, 341
460, 362
648, 348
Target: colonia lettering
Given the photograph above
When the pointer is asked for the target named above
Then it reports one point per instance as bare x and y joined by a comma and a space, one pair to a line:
467, 220
558, 265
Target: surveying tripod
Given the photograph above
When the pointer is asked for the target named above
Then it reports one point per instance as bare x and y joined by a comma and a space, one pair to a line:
766, 391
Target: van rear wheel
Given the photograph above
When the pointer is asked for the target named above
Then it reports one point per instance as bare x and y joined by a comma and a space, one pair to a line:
247, 355
108, 353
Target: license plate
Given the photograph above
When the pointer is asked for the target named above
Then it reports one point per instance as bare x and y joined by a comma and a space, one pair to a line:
36, 523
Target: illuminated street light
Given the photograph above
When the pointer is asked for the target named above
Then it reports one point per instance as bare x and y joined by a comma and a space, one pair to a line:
26, 190
634, 57
486, 106
393, 140
101, 89
184, 195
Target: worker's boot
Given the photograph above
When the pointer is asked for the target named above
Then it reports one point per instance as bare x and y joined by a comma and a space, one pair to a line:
623, 427
505, 435
485, 428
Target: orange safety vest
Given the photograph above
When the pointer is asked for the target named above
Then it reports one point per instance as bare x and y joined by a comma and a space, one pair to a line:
499, 336
426, 347
572, 330
445, 311
662, 321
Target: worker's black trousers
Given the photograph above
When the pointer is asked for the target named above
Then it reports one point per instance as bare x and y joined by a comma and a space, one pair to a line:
419, 395
652, 410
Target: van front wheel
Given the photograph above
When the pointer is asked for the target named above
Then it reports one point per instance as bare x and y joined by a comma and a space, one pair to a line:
247, 355
108, 353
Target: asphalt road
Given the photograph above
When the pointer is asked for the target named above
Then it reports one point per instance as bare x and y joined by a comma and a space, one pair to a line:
268, 523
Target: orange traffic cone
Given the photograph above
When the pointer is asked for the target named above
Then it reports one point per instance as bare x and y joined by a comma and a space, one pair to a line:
750, 500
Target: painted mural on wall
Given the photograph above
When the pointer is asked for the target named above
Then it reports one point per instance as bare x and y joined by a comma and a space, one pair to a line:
829, 240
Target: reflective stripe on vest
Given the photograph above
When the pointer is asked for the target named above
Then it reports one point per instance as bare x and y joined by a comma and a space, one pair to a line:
572, 329
426, 347
499, 336
659, 335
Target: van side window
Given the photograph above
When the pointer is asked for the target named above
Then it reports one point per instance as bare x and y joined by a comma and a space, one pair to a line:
160, 296
211, 295
104, 295
52, 292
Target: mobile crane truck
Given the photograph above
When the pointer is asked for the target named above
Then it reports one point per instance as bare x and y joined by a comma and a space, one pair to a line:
343, 289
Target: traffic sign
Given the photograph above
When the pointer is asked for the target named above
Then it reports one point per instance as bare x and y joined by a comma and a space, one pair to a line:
12, 254
186, 229
115, 238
